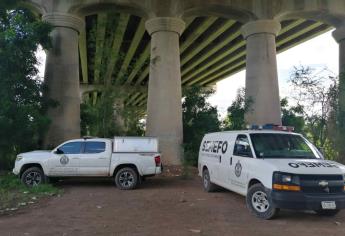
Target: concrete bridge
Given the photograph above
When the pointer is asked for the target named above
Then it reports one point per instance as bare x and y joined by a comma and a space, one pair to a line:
151, 48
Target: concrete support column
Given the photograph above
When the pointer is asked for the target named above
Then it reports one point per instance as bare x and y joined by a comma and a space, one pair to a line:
62, 78
164, 108
262, 89
339, 36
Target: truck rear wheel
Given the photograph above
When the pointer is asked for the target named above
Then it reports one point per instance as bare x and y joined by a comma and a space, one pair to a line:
126, 178
260, 203
33, 176
206, 181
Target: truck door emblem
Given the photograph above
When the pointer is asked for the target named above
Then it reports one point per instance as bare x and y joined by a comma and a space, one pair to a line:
238, 169
64, 160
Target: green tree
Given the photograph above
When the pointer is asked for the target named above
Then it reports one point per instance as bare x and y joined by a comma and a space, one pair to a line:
22, 107
292, 116
317, 92
235, 118
199, 118
108, 117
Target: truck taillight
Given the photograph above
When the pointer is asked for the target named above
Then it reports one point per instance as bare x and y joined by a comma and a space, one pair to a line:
158, 160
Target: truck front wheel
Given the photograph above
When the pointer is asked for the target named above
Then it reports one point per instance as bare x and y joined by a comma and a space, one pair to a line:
33, 176
126, 178
259, 202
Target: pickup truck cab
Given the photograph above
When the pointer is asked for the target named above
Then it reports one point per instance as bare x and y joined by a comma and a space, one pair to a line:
273, 169
126, 159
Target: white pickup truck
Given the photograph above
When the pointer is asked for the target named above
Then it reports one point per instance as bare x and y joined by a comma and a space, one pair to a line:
126, 159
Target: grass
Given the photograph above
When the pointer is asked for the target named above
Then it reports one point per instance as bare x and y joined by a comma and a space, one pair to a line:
14, 194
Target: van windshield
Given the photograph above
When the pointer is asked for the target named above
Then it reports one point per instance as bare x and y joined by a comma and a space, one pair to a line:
269, 145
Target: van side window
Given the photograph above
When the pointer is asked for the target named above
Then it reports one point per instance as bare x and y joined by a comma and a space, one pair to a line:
242, 146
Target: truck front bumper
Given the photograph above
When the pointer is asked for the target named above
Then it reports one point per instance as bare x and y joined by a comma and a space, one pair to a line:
303, 201
16, 169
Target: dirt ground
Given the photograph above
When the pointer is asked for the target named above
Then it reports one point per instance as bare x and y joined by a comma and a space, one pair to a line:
164, 205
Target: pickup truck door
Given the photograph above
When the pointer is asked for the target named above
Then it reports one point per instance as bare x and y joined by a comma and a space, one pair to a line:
95, 159
66, 163
240, 164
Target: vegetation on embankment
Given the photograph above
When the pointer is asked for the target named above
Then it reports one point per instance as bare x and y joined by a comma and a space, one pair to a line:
15, 195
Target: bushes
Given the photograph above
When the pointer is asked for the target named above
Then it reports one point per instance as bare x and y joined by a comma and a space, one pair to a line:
22, 106
199, 118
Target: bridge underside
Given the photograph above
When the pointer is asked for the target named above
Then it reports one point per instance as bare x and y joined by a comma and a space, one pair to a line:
178, 43
115, 49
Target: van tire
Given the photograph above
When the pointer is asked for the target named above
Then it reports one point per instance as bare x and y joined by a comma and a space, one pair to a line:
206, 181
259, 202
126, 178
327, 212
33, 176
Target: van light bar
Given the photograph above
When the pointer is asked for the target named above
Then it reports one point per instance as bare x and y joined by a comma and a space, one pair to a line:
286, 187
271, 127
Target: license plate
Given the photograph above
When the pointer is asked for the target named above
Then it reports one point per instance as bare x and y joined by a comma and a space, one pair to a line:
328, 205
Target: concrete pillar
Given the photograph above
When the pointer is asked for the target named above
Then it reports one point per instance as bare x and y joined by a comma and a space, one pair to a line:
262, 88
62, 78
339, 36
164, 108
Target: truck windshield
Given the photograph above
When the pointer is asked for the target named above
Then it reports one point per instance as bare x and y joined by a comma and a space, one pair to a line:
269, 145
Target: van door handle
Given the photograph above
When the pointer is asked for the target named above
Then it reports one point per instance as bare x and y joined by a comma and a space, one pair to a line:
220, 159
103, 158
75, 158
230, 160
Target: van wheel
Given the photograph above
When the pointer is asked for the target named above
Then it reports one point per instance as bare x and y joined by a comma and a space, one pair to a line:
33, 176
126, 179
206, 181
327, 212
259, 202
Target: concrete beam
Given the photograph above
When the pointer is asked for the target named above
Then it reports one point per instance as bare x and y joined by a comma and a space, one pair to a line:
210, 62
215, 71
139, 64
217, 32
132, 49
132, 98
87, 88
100, 36
115, 49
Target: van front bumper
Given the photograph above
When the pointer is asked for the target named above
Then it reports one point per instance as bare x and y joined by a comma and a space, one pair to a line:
303, 201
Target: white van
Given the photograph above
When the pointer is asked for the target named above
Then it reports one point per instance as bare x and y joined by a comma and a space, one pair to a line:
273, 169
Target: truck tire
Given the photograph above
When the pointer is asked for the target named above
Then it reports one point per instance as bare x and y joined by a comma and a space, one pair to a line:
126, 179
260, 203
33, 176
327, 212
206, 181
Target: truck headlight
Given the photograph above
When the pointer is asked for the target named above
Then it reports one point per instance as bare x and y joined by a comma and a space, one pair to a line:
285, 181
286, 178
19, 157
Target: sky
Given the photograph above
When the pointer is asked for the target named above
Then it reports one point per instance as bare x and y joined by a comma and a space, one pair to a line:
319, 52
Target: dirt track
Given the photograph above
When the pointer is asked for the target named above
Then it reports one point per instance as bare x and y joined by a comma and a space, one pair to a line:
162, 206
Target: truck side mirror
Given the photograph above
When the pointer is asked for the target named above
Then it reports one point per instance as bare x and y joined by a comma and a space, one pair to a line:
58, 151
